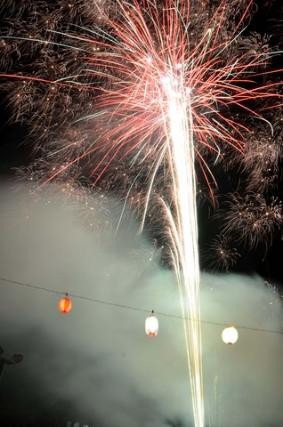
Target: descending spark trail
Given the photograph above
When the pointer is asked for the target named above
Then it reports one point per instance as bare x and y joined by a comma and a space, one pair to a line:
185, 231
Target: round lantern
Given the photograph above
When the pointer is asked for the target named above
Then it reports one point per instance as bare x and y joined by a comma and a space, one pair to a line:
151, 325
230, 335
65, 304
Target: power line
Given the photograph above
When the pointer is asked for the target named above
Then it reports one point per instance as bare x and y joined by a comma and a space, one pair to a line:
129, 307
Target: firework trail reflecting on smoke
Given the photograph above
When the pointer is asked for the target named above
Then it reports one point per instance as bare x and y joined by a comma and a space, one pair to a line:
158, 93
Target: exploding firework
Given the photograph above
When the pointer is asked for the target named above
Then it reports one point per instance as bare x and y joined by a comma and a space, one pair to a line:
222, 254
143, 91
252, 219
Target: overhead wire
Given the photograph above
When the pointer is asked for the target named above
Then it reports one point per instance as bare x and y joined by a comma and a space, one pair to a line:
130, 307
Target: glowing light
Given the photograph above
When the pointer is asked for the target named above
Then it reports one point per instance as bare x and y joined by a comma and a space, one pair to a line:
230, 335
65, 304
151, 325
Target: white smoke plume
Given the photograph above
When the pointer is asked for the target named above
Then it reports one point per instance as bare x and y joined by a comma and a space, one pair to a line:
98, 357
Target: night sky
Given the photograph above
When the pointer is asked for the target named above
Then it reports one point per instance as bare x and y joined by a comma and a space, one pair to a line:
92, 366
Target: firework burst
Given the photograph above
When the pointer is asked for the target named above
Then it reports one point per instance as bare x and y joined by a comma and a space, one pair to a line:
252, 219
222, 254
157, 93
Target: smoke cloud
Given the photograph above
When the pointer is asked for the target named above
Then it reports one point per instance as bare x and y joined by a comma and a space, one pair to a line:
98, 357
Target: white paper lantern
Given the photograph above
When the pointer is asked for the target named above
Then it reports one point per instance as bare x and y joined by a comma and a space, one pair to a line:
230, 335
151, 325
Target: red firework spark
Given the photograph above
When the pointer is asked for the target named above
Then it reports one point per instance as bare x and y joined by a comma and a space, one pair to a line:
125, 63
148, 44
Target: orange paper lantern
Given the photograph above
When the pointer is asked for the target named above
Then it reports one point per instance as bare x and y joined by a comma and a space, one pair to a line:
65, 304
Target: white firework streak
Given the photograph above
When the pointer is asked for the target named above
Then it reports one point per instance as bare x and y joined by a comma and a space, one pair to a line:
184, 228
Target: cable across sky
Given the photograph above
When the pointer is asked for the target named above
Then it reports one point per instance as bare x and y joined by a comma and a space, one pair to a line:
129, 307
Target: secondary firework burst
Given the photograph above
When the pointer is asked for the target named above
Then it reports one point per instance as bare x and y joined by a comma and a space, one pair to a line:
222, 254
252, 219
162, 84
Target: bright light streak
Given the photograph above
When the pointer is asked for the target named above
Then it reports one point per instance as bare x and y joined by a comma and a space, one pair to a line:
178, 119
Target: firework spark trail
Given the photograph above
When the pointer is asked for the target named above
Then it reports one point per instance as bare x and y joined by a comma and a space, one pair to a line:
185, 241
178, 127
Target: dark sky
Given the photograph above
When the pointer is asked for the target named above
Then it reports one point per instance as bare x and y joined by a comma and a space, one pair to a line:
36, 397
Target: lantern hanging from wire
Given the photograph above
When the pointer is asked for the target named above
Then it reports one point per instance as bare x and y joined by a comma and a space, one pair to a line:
151, 325
65, 304
230, 335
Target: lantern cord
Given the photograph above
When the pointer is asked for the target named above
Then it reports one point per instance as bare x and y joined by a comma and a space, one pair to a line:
130, 307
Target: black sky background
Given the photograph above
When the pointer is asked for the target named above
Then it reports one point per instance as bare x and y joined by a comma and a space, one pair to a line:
25, 404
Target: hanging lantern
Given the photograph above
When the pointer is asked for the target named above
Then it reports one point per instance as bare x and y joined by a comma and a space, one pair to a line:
230, 335
65, 304
151, 325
